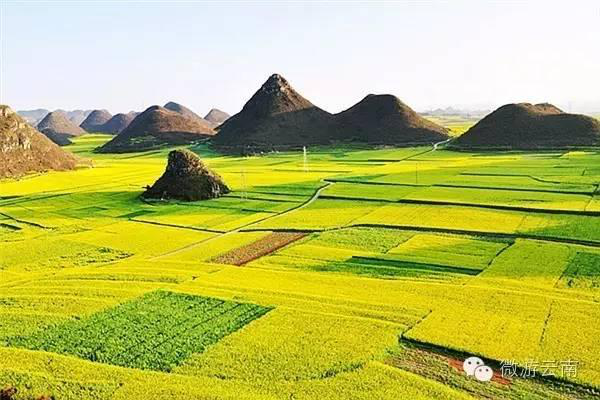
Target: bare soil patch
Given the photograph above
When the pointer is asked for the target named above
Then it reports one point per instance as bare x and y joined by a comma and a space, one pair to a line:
262, 247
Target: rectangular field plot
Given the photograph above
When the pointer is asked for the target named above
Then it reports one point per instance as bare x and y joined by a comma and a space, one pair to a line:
363, 191
452, 251
157, 331
529, 262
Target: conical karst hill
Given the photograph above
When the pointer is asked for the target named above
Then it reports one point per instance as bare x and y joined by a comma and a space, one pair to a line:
59, 128
275, 117
25, 150
187, 178
157, 127
384, 119
531, 126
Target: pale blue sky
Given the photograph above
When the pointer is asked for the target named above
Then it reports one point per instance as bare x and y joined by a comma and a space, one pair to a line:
124, 55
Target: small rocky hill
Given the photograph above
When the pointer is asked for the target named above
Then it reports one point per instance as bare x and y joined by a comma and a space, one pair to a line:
187, 178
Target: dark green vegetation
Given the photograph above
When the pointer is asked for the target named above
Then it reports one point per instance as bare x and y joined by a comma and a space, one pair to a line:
583, 271
157, 331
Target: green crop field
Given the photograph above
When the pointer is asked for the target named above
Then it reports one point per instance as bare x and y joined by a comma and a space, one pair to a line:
364, 274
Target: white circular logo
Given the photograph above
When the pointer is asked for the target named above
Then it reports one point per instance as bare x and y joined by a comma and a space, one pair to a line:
470, 364
484, 373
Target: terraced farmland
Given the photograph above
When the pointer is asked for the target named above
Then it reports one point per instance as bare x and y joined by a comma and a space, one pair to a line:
365, 274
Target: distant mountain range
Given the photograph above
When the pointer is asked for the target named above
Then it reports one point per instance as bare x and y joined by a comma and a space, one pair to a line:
451, 111
35, 116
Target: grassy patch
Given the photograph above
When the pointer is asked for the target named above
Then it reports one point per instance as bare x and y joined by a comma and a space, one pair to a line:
157, 331
583, 271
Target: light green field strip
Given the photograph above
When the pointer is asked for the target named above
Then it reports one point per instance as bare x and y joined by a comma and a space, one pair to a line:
449, 250
535, 200
370, 192
528, 263
523, 182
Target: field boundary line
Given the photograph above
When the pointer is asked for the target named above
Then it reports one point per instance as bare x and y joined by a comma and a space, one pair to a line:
342, 180
509, 189
474, 205
193, 228
544, 328
21, 221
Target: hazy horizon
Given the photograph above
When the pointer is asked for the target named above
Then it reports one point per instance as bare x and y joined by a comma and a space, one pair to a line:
124, 56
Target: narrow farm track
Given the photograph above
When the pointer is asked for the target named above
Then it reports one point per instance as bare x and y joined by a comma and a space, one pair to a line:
192, 228
514, 189
311, 200
438, 144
